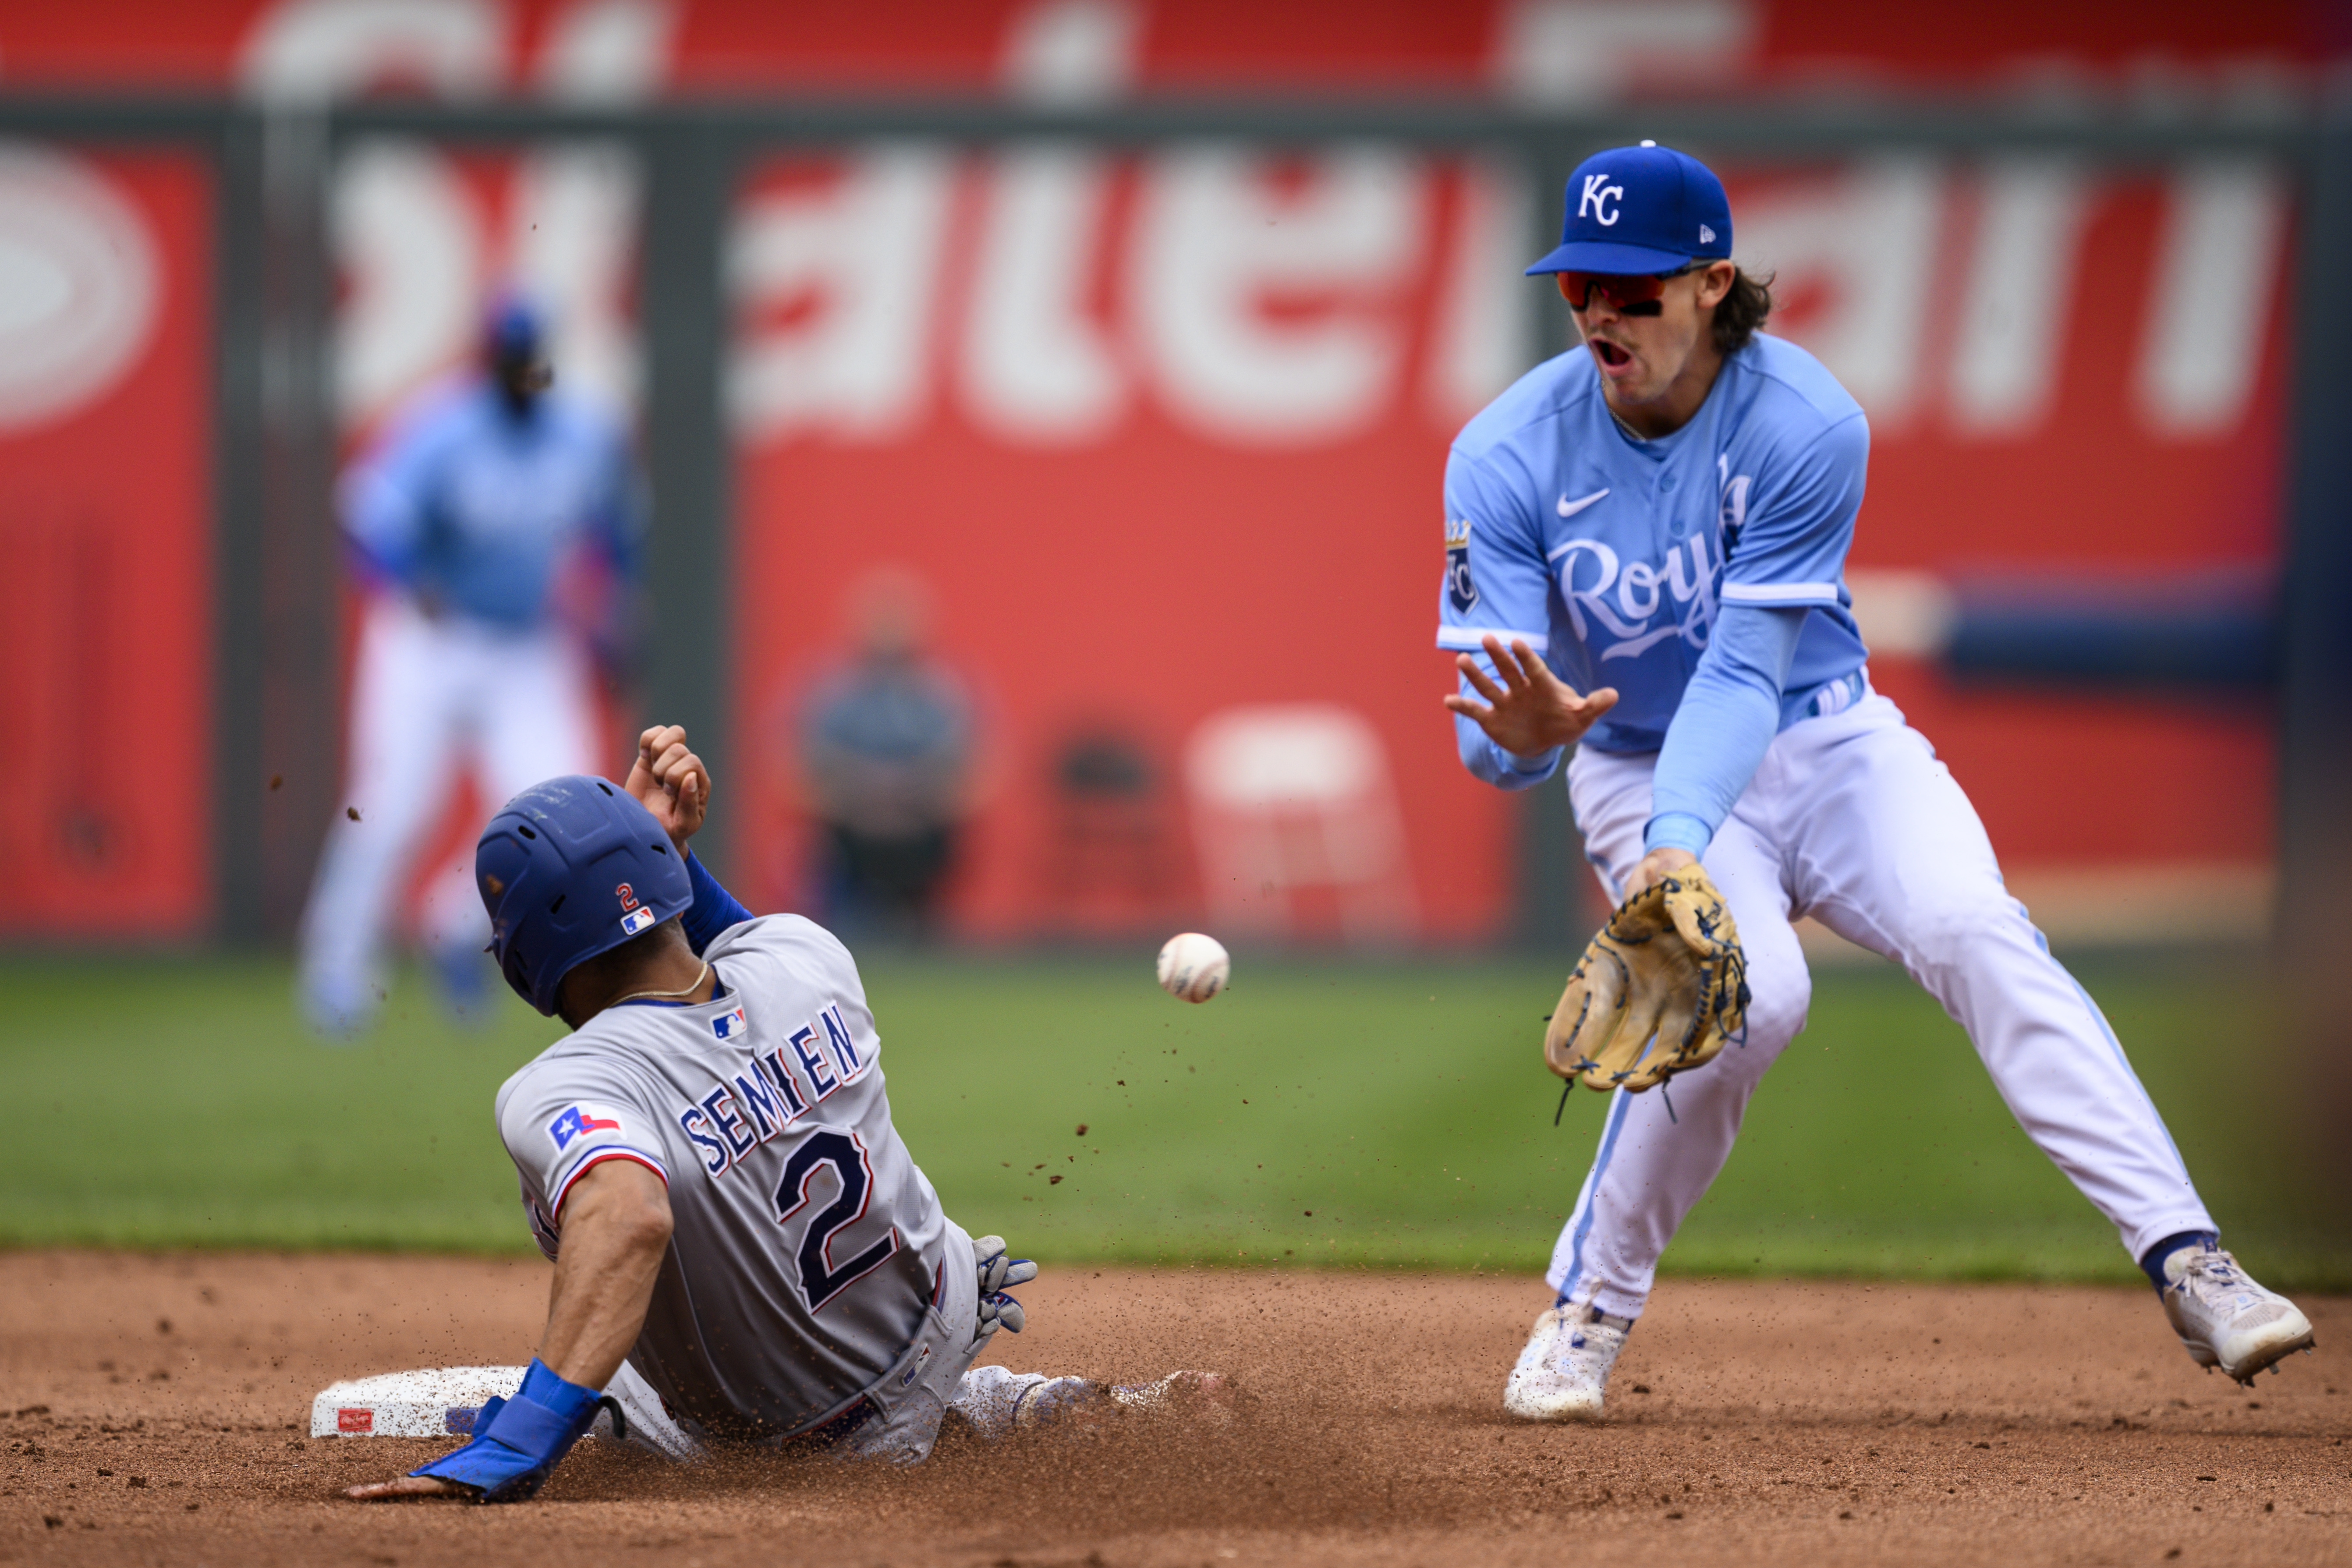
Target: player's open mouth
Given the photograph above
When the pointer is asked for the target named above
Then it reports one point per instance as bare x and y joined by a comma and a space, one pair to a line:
1612, 357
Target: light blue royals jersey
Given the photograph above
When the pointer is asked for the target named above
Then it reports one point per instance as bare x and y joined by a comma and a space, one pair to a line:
1611, 555
479, 506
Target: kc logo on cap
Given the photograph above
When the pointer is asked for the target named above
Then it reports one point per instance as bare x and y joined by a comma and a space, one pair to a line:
1599, 199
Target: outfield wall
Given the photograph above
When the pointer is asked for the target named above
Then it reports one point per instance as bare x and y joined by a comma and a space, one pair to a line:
1163, 432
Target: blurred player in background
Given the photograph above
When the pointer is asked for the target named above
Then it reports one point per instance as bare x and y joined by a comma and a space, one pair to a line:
886, 752
496, 527
1659, 517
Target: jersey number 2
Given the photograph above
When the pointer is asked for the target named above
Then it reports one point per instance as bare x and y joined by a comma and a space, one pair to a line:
821, 1282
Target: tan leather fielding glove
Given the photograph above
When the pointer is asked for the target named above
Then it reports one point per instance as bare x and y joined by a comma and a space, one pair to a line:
1656, 991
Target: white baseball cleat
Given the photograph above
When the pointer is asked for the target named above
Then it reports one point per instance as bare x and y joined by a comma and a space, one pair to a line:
1564, 1371
2226, 1319
995, 1402
338, 1009
1203, 1396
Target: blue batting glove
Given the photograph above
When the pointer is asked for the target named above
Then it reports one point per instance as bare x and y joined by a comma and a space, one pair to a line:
518, 1441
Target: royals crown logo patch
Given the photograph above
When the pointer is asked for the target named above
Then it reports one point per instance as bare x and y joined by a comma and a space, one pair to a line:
1461, 590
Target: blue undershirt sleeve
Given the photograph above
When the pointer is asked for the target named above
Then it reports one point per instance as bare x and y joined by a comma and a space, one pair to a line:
714, 908
1729, 715
1488, 760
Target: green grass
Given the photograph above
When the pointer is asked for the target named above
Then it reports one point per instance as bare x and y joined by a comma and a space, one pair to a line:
177, 1103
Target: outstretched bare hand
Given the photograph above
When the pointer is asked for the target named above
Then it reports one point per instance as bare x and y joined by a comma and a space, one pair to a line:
670, 782
1533, 709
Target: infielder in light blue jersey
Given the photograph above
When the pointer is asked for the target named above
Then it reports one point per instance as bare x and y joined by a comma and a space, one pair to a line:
464, 523
1645, 551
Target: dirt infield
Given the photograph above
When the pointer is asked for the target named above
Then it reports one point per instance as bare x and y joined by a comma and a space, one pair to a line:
153, 1410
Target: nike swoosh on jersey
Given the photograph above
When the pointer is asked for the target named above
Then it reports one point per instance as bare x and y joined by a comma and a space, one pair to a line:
1570, 508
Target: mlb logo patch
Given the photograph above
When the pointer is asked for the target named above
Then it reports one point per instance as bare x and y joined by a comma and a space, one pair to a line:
578, 1120
355, 1421
728, 1024
636, 919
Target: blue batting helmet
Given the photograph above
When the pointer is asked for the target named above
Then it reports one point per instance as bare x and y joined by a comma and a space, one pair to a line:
570, 868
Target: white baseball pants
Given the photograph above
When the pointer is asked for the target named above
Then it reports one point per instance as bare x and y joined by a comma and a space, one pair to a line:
989, 1400
428, 698
1851, 819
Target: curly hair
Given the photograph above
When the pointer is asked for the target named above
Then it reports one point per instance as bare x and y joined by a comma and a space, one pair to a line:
1742, 311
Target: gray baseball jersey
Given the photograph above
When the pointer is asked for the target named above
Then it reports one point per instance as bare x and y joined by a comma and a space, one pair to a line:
808, 1251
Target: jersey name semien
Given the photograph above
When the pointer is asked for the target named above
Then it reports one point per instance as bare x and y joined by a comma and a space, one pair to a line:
807, 1245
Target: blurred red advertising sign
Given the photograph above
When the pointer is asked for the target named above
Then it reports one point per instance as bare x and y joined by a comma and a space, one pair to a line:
105, 378
1554, 49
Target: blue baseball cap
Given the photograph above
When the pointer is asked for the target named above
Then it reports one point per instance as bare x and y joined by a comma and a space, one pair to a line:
513, 329
1641, 209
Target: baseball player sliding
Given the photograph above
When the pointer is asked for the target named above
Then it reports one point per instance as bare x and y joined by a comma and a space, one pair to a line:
745, 1253
464, 523
1645, 546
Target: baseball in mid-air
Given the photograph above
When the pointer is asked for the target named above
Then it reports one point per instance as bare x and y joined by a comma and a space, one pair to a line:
1193, 968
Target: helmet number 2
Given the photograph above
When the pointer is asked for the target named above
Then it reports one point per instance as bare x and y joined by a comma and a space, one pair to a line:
821, 1279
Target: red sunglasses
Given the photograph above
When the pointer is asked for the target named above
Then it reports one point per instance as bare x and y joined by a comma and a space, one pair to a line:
1633, 294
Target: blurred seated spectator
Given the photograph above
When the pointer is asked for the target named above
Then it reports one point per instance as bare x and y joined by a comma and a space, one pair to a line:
887, 755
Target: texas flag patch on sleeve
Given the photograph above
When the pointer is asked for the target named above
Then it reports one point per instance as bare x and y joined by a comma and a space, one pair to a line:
730, 1023
580, 1121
